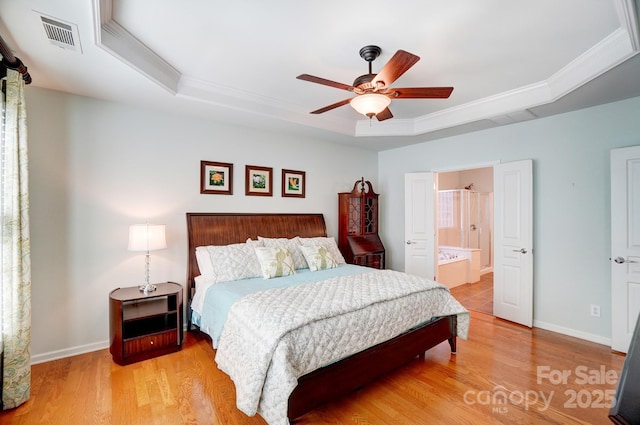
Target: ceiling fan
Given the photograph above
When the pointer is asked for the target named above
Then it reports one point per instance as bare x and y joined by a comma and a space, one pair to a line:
373, 92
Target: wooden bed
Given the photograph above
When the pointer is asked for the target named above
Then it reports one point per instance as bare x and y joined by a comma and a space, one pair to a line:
339, 378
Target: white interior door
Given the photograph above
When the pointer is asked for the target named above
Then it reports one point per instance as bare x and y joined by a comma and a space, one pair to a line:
625, 245
419, 224
513, 243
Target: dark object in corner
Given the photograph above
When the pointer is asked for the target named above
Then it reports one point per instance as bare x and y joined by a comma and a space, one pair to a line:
626, 407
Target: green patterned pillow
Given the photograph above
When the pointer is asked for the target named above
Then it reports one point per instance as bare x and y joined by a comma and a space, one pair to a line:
318, 257
293, 245
329, 243
275, 261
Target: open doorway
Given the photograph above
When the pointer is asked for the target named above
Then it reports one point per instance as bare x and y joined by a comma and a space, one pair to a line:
464, 217
511, 236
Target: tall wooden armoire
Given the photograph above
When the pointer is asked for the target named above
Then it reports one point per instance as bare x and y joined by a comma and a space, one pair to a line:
358, 238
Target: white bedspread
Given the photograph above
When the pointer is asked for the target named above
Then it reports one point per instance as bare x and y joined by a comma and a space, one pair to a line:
274, 336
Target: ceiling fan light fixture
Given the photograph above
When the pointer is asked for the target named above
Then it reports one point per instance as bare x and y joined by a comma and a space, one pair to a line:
370, 104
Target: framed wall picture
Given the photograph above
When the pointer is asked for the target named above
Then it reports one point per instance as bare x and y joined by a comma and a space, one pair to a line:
293, 183
258, 181
216, 178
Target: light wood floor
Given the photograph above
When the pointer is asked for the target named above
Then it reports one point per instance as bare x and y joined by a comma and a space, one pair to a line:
187, 388
476, 296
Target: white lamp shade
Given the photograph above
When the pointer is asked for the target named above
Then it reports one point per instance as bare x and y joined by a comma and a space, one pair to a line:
147, 237
370, 104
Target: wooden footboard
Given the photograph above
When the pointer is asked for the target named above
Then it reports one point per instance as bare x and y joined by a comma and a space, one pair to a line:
344, 376
349, 374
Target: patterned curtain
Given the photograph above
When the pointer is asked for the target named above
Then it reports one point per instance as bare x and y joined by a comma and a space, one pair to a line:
15, 287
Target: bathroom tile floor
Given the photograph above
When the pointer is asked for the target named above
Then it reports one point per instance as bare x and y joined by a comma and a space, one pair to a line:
476, 296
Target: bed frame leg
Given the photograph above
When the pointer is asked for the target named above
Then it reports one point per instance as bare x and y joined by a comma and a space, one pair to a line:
452, 344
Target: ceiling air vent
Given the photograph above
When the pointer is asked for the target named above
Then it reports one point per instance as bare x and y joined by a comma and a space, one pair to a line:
61, 34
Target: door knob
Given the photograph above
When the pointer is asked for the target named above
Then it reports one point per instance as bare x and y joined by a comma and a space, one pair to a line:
409, 242
521, 250
621, 260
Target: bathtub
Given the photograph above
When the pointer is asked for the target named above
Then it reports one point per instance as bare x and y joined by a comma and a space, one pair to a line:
452, 272
471, 254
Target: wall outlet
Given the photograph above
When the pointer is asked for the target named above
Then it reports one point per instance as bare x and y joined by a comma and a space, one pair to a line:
595, 310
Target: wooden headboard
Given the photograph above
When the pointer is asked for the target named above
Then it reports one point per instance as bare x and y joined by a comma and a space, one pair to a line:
226, 228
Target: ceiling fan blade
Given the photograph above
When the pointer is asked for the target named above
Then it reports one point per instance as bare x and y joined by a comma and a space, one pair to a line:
330, 107
397, 65
420, 93
325, 82
385, 114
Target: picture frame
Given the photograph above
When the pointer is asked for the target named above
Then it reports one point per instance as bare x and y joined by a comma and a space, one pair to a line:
258, 181
293, 183
216, 178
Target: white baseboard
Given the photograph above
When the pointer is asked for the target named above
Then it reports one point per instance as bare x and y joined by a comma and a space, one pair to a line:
68, 352
73, 351
572, 332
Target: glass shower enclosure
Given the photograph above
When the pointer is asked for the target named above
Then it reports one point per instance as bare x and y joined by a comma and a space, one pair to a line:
465, 219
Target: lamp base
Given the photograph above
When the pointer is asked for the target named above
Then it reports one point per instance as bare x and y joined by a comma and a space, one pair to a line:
147, 288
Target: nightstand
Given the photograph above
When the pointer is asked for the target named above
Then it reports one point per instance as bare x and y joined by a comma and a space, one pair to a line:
145, 325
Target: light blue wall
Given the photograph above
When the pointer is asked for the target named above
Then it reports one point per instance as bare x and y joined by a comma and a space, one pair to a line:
570, 154
96, 167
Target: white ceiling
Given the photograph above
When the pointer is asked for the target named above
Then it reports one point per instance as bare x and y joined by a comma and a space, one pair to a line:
236, 61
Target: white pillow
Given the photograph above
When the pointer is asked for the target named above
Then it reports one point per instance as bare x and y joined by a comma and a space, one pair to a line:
329, 243
224, 263
293, 245
275, 261
204, 261
318, 257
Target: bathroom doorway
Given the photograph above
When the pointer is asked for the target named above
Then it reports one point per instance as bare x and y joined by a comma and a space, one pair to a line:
464, 217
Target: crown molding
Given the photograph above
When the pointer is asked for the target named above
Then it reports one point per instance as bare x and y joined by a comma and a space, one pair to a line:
116, 40
611, 51
614, 49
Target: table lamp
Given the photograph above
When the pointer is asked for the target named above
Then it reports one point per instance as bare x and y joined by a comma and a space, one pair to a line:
147, 237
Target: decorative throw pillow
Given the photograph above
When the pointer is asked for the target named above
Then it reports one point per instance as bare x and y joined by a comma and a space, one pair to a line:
318, 257
275, 261
329, 243
224, 263
293, 245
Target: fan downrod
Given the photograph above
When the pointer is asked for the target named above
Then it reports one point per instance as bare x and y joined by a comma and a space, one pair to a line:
363, 82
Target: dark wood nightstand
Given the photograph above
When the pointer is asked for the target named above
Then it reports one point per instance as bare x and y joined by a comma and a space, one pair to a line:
145, 325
